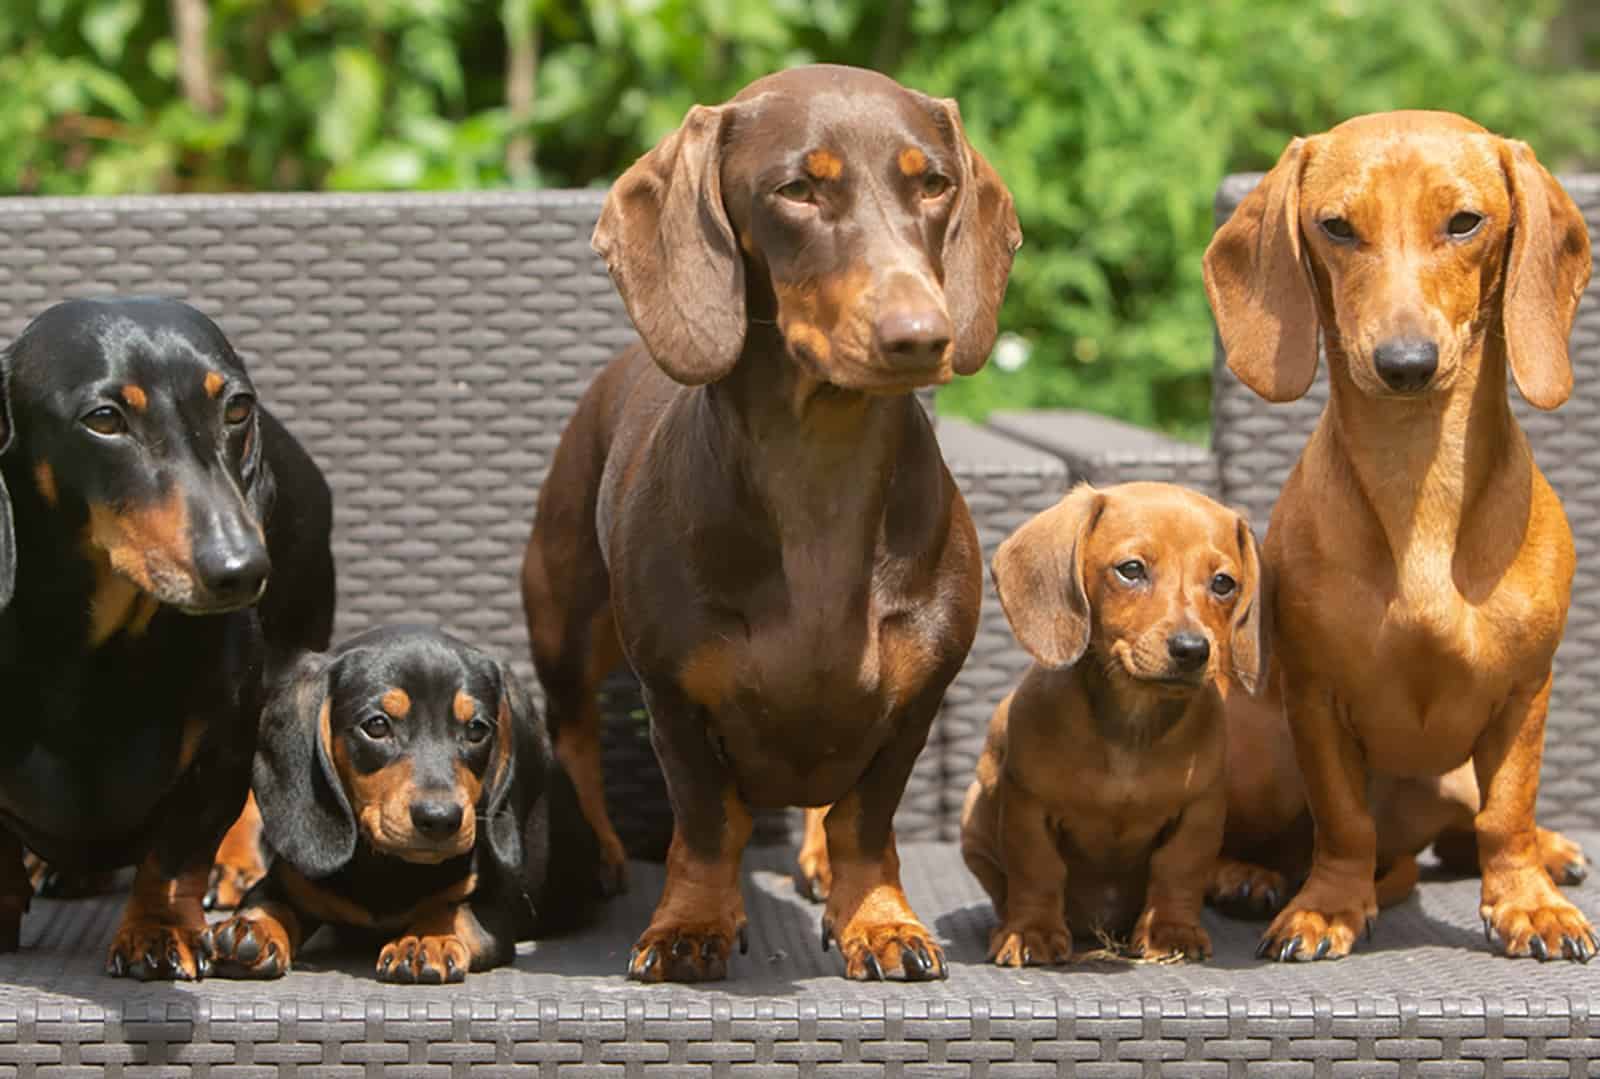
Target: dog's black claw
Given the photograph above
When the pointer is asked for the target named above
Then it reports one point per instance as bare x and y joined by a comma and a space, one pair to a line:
873, 968
1264, 949
1536, 946
1322, 949
651, 958
1577, 872
1289, 949
744, 940
827, 935
1242, 892
117, 966
1488, 932
916, 965
708, 950
682, 948
1372, 929
246, 948
1270, 898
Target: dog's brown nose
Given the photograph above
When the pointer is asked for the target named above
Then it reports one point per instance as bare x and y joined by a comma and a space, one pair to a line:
1189, 650
1406, 364
913, 337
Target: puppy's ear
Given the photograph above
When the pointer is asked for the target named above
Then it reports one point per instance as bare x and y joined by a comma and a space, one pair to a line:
1038, 572
1247, 649
306, 817
665, 237
1260, 289
1547, 268
8, 531
517, 732
982, 239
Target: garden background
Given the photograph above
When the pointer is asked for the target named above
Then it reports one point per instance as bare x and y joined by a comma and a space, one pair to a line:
1111, 120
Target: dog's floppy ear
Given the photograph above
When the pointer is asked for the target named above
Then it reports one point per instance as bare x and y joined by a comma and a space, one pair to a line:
1038, 572
665, 237
1547, 268
1260, 289
306, 817
8, 530
983, 237
1247, 646
516, 732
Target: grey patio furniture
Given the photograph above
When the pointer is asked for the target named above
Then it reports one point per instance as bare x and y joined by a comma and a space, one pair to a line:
427, 349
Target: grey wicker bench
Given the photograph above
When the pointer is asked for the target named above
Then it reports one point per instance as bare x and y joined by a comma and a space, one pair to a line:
428, 349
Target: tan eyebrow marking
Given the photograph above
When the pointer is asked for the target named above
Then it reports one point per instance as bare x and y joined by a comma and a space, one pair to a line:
397, 702
912, 161
214, 383
135, 397
824, 165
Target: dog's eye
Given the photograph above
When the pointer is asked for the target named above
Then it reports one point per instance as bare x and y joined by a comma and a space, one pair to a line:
1131, 571
1463, 224
934, 185
106, 420
798, 191
1222, 586
1338, 229
376, 727
240, 406
478, 730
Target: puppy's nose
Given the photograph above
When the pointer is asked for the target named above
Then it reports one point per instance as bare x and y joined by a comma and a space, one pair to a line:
913, 337
1189, 650
436, 820
1406, 363
233, 575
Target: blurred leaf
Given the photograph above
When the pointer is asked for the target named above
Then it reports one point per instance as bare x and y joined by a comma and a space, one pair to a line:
349, 121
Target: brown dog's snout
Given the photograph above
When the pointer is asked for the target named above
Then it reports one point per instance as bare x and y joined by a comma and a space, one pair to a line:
436, 818
1189, 650
912, 328
1406, 364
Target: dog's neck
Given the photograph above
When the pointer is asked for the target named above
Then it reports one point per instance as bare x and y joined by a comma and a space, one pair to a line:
1125, 712
1433, 467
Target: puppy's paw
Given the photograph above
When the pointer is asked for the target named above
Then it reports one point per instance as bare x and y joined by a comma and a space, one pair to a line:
252, 944
1532, 919
690, 951
1024, 945
877, 949
1169, 938
151, 951
1563, 859
1302, 935
1246, 890
613, 866
813, 876
228, 885
424, 960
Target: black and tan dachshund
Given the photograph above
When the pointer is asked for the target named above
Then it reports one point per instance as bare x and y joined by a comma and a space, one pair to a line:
407, 790
148, 502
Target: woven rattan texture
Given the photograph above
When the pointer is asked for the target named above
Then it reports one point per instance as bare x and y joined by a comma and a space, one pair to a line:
1425, 994
1256, 445
1104, 451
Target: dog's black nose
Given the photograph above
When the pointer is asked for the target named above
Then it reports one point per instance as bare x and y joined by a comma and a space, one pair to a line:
1188, 649
234, 575
1406, 363
436, 820
913, 337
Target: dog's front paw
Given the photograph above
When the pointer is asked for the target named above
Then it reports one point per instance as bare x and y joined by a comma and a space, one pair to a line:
227, 886
689, 951
1023, 945
1302, 934
155, 952
1162, 938
1563, 859
879, 948
1246, 890
424, 960
1531, 918
251, 944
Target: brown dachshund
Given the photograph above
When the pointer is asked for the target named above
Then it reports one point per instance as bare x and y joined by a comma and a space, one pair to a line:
751, 506
1099, 801
1422, 563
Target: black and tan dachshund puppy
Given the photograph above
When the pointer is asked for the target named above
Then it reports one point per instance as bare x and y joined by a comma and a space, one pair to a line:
408, 790
147, 499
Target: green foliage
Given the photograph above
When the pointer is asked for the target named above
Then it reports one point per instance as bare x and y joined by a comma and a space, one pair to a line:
1112, 120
